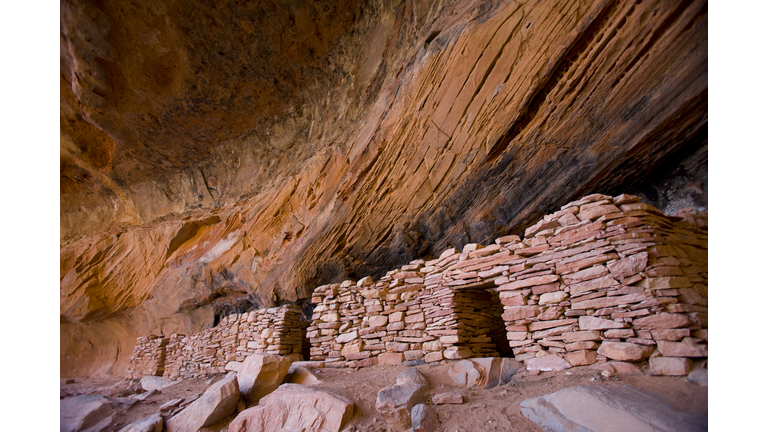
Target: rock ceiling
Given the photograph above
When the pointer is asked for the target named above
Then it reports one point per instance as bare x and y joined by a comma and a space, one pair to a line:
221, 154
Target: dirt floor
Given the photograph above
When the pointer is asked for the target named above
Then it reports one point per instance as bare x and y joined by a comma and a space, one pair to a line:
496, 409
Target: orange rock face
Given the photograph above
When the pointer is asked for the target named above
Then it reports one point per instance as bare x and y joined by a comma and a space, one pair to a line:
215, 158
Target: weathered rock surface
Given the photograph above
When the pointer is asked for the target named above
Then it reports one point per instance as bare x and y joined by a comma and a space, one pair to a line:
602, 408
150, 383
213, 159
219, 401
395, 403
465, 373
153, 423
260, 374
86, 413
296, 408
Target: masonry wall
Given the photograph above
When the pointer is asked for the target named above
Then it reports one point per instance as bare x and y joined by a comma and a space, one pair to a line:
221, 348
601, 269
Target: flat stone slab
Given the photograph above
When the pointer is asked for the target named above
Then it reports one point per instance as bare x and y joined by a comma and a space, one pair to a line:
595, 408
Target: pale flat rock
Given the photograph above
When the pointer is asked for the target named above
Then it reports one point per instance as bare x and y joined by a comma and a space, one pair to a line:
424, 419
153, 423
629, 266
86, 413
260, 374
293, 407
447, 398
547, 363
150, 383
219, 401
594, 408
594, 323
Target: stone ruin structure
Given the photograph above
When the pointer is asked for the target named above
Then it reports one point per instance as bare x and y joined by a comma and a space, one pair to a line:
603, 278
222, 348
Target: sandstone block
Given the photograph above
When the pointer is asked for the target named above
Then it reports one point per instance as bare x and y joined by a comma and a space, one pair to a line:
296, 408
581, 358
552, 297
581, 345
547, 363
378, 321
347, 337
513, 313
461, 353
391, 358
624, 351
424, 419
588, 335
681, 349
447, 398
260, 374
662, 321
629, 266
673, 366
86, 412
670, 334
433, 356
397, 346
218, 402
594, 323
508, 369
620, 333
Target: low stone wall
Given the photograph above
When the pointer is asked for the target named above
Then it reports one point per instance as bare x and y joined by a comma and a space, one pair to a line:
221, 348
148, 357
601, 269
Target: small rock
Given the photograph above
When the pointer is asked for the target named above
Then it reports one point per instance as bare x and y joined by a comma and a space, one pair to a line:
447, 398
143, 396
547, 363
417, 362
170, 404
394, 403
624, 351
424, 419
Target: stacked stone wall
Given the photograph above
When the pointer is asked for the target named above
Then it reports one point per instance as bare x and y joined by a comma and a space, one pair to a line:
221, 348
601, 269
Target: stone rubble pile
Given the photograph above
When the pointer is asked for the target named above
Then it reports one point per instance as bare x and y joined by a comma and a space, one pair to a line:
222, 348
603, 278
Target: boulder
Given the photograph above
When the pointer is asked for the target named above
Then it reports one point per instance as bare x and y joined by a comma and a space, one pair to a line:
394, 403
424, 419
219, 401
91, 413
260, 374
152, 423
293, 407
607, 409
465, 373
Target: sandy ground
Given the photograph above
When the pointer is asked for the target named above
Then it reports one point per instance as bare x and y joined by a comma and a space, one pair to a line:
496, 409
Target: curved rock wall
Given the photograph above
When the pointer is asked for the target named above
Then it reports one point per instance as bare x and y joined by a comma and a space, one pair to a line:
236, 157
